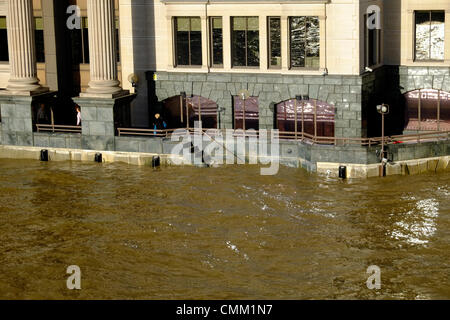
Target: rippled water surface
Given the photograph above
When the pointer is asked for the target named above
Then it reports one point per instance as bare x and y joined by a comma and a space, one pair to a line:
227, 233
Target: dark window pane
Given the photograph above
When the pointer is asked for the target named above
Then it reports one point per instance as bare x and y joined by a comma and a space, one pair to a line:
275, 41
77, 55
245, 41
4, 56
117, 41
182, 44
39, 39
86, 45
253, 41
196, 48
188, 41
239, 41
253, 48
217, 41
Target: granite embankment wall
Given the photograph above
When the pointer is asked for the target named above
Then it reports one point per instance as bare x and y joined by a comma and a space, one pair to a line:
324, 159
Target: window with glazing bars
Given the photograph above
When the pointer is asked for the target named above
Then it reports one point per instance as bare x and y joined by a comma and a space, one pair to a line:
188, 41
216, 38
274, 26
304, 42
429, 35
4, 56
245, 41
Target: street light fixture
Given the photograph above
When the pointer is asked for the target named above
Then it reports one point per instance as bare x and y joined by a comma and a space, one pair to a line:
382, 109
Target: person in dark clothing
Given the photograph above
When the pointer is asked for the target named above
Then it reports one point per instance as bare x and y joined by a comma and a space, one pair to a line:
158, 123
42, 117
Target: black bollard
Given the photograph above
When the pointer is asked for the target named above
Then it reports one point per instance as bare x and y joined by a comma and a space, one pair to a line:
343, 172
98, 158
156, 162
44, 155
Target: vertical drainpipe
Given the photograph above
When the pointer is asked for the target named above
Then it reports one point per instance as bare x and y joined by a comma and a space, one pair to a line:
208, 35
326, 38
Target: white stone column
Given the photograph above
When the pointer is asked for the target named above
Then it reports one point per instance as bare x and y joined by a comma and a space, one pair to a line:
102, 51
22, 52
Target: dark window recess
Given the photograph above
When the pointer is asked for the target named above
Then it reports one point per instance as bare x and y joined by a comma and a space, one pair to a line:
305, 110
80, 43
429, 35
274, 42
4, 56
304, 42
39, 39
251, 107
117, 34
372, 44
245, 41
188, 41
216, 41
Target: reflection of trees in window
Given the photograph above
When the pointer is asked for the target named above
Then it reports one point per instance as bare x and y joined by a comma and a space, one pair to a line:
216, 41
39, 39
430, 34
304, 42
4, 56
188, 41
275, 42
245, 46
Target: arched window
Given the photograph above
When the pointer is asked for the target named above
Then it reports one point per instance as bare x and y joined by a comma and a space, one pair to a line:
313, 114
251, 107
182, 112
427, 110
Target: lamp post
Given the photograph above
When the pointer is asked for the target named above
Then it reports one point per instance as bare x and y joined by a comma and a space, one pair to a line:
182, 99
219, 111
298, 99
243, 95
382, 109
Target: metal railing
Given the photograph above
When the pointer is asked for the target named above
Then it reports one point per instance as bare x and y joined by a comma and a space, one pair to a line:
57, 128
301, 136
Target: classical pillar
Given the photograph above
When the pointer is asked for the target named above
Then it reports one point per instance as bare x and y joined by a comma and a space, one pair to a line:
22, 52
102, 51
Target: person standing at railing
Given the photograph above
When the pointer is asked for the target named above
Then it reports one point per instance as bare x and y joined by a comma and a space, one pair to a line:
78, 109
42, 117
158, 123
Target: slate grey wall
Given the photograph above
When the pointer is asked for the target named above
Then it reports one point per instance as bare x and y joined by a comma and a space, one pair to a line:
413, 78
17, 118
344, 92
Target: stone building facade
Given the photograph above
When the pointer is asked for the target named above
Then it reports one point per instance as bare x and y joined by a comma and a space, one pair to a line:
353, 68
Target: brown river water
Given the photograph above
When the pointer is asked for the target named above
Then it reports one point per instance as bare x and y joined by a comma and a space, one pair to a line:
224, 233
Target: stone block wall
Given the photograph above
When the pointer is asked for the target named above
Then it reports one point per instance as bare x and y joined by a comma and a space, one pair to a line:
57, 140
17, 118
414, 78
344, 92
